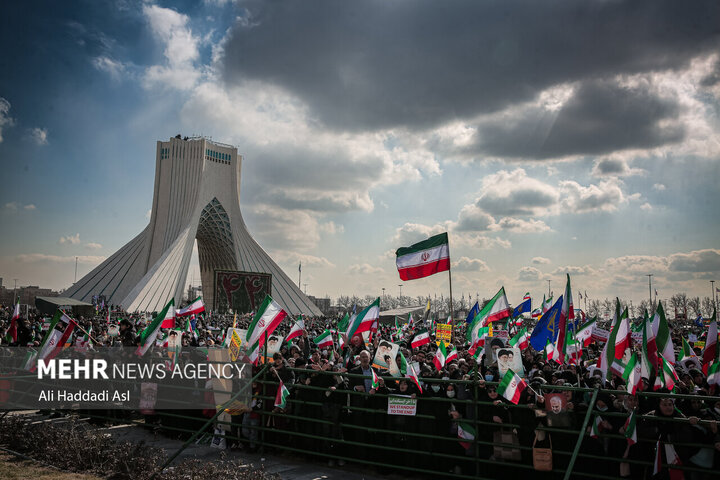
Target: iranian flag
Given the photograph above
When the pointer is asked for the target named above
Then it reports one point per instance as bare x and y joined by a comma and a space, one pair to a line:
632, 374
409, 372
567, 314
631, 429
595, 429
657, 464
619, 332
672, 458
281, 396
452, 354
266, 320
440, 356
666, 374
424, 258
169, 319
342, 324
662, 334
649, 348
422, 337
547, 304
713, 376
324, 340
536, 313
466, 434
12, 331
477, 348
687, 352
496, 309
375, 380
148, 336
195, 308
296, 330
710, 352
55, 340
511, 386
520, 340
364, 320
584, 332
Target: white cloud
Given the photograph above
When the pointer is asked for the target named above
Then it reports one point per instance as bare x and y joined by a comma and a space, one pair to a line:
646, 206
411, 233
331, 228
465, 264
5, 119
112, 67
282, 229
39, 135
181, 49
364, 269
70, 239
540, 260
93, 246
659, 187
606, 196
13, 207
508, 193
295, 258
30, 206
530, 274
575, 270
516, 225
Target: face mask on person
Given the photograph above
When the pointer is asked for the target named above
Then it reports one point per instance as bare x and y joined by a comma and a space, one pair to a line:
489, 378
450, 393
435, 388
603, 408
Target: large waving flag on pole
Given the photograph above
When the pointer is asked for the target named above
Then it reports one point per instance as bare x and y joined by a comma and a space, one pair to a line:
55, 340
496, 309
424, 258
296, 330
148, 336
196, 307
269, 315
661, 331
364, 320
169, 319
12, 331
567, 314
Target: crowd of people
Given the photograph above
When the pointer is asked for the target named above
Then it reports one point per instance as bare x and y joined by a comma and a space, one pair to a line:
337, 410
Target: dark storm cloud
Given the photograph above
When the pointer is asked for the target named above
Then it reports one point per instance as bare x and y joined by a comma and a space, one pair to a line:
376, 64
599, 118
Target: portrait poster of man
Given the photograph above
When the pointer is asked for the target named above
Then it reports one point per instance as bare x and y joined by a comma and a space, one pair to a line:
243, 292
274, 343
492, 346
385, 357
510, 358
555, 402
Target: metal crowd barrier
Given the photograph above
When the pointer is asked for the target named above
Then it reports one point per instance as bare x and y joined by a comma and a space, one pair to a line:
369, 436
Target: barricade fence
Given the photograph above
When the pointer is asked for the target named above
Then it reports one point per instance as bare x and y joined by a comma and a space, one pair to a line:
474, 434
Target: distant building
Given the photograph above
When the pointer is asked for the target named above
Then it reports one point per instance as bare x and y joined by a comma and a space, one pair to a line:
322, 303
26, 295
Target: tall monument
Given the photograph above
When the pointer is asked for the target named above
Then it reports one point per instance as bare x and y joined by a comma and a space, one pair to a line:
197, 196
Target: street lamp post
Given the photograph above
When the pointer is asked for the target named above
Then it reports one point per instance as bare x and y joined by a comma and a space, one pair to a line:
400, 290
712, 293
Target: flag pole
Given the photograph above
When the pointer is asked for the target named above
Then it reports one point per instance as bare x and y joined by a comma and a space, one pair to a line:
452, 312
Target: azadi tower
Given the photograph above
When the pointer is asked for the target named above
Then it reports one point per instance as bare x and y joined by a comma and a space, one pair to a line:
197, 196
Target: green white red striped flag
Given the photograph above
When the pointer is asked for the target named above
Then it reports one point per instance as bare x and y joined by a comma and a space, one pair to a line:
521, 339
375, 380
632, 374
424, 258
666, 375
511, 386
409, 372
595, 428
269, 315
324, 340
422, 337
466, 434
148, 336
364, 320
713, 378
440, 356
662, 335
281, 396
452, 354
296, 330
496, 309
631, 429
687, 352
196, 307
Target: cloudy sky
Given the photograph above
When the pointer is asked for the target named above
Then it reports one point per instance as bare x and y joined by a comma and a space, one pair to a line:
545, 137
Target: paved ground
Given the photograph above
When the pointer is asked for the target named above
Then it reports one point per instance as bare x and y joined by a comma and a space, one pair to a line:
287, 467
